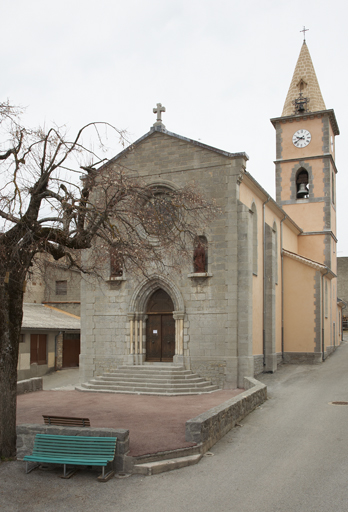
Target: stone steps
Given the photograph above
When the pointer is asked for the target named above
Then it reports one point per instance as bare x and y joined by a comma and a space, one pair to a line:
167, 380
154, 468
160, 462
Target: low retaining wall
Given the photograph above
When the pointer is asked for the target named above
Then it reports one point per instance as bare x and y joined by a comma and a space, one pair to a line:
29, 385
212, 425
26, 435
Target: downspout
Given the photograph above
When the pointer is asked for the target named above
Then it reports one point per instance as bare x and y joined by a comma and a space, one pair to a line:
282, 278
341, 326
264, 280
323, 316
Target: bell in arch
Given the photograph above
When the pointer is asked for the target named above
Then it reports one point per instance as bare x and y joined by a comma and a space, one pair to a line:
302, 191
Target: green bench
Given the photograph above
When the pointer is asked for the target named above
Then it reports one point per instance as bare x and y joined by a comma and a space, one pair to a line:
73, 451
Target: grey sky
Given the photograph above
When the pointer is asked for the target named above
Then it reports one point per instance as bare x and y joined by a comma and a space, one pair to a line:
221, 68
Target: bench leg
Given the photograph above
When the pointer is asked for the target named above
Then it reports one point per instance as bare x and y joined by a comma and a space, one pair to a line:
27, 470
105, 477
68, 474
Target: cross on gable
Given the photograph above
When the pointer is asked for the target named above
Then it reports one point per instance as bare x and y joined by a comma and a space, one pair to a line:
158, 110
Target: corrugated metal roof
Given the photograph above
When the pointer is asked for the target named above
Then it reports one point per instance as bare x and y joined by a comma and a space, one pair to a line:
38, 316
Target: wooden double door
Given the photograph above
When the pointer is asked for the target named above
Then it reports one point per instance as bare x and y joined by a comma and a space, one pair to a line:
160, 328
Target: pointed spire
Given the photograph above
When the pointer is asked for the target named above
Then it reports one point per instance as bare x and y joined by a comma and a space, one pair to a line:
304, 84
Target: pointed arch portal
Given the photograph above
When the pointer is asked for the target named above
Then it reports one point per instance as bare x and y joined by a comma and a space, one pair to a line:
156, 322
160, 327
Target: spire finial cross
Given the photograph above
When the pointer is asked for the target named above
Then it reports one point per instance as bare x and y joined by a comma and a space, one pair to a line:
304, 30
158, 110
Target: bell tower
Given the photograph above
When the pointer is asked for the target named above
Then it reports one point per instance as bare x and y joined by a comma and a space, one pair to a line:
305, 163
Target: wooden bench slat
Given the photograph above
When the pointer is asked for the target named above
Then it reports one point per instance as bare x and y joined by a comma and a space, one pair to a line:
65, 420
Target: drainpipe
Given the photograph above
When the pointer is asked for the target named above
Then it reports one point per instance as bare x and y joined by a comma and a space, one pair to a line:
323, 315
264, 281
282, 278
341, 326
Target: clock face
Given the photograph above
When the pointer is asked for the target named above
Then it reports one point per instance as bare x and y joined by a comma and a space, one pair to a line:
301, 138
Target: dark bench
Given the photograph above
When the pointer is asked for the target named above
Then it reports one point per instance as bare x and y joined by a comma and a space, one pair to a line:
65, 421
73, 451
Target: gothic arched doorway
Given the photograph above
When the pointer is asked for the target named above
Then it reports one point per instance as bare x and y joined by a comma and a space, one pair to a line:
160, 327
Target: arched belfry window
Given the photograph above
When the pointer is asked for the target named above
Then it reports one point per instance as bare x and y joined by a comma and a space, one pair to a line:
302, 184
200, 255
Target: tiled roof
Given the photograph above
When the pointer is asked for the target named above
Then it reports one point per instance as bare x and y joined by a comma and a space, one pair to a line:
38, 316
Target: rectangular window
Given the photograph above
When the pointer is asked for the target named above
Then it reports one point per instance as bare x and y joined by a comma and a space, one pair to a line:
61, 287
21, 338
38, 348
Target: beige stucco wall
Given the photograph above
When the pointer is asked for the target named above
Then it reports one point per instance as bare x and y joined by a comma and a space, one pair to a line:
248, 197
307, 215
315, 147
299, 319
312, 247
290, 239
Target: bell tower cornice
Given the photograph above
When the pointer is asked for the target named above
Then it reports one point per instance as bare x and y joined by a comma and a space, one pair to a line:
309, 115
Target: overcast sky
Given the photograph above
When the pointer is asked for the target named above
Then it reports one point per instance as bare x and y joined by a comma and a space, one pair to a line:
221, 68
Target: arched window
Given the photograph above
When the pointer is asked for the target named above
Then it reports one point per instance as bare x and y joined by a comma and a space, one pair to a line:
255, 252
200, 255
302, 184
275, 266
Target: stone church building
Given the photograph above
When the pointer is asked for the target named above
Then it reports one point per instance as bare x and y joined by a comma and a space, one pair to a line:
264, 291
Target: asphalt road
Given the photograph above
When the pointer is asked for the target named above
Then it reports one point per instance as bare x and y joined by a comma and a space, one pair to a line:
290, 454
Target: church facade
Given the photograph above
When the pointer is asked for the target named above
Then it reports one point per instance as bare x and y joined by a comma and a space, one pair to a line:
261, 288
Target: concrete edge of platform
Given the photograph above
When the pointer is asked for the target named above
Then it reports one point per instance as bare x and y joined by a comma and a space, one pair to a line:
29, 385
209, 427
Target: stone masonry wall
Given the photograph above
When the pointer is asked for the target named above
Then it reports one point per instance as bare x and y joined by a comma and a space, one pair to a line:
210, 320
212, 425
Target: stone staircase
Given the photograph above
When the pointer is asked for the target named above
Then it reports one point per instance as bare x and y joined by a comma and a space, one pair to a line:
167, 461
150, 379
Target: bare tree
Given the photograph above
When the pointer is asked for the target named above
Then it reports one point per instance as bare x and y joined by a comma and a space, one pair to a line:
45, 209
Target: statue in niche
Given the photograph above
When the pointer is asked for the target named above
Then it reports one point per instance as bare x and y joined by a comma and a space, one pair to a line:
199, 257
115, 264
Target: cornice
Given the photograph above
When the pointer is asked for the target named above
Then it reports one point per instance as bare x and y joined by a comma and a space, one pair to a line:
313, 157
309, 115
323, 269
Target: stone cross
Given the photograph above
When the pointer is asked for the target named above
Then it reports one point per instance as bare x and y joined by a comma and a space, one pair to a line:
304, 30
158, 110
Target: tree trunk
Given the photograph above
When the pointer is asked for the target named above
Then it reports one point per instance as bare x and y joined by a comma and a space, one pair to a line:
11, 312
